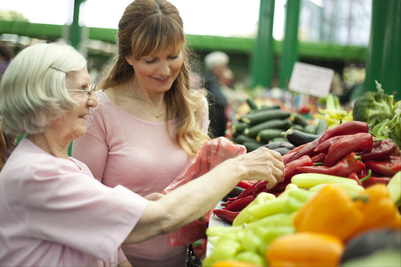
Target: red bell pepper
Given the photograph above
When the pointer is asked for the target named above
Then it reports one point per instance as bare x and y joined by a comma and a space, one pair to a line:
345, 128
226, 215
239, 204
290, 169
343, 168
348, 144
381, 149
388, 167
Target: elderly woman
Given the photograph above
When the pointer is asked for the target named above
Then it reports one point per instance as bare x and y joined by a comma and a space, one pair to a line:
52, 211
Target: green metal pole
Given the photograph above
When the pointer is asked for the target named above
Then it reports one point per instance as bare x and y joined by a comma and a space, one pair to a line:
289, 52
383, 59
75, 29
262, 60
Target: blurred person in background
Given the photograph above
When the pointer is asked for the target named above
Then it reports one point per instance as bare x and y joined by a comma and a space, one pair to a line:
215, 77
5, 57
53, 212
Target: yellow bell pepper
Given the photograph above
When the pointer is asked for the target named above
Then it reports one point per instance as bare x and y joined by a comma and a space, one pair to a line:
331, 211
378, 210
305, 249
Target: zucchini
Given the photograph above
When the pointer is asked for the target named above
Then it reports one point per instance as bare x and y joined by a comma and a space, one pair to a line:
277, 144
321, 126
268, 134
239, 127
242, 138
251, 103
298, 119
297, 127
298, 138
252, 145
279, 139
282, 150
270, 124
265, 115
310, 128
266, 107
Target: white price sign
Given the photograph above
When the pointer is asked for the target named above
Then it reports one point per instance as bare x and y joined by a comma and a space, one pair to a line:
311, 80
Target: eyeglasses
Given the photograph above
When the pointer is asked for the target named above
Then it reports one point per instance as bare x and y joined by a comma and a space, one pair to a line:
92, 88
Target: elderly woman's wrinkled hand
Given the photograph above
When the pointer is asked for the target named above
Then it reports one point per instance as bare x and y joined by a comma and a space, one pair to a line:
264, 164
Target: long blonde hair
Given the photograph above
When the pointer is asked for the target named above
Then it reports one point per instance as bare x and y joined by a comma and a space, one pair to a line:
148, 27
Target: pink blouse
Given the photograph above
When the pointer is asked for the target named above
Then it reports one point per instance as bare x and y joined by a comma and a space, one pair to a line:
121, 149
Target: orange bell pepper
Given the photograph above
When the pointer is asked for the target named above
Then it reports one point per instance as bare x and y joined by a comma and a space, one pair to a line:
233, 263
331, 212
379, 210
305, 249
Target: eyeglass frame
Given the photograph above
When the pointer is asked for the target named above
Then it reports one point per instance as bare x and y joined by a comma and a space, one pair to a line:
92, 88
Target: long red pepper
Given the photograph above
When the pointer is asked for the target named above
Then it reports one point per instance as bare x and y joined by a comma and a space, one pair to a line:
343, 168
376, 180
348, 144
318, 158
305, 150
388, 167
293, 151
349, 127
226, 215
290, 169
239, 204
381, 149
323, 147
354, 176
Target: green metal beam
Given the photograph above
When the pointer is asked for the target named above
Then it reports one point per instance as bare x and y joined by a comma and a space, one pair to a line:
383, 59
289, 54
326, 51
262, 61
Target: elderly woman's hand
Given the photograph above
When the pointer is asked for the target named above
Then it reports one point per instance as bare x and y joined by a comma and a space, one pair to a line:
263, 164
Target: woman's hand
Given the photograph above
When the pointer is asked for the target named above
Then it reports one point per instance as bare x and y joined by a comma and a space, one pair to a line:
263, 164
154, 196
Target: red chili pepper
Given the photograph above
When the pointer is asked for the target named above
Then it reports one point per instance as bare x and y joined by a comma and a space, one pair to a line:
343, 168
323, 147
290, 169
318, 158
239, 204
246, 183
349, 127
226, 215
348, 144
250, 191
381, 149
354, 176
388, 167
279, 188
376, 180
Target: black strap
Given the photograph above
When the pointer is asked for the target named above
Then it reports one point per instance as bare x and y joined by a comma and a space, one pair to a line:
192, 259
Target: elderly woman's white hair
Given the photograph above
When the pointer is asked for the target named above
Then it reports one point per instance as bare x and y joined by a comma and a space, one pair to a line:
33, 88
216, 58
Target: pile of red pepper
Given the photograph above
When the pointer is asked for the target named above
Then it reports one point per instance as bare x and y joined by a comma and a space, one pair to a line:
347, 150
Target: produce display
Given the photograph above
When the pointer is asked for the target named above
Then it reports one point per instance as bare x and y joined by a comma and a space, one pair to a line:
342, 185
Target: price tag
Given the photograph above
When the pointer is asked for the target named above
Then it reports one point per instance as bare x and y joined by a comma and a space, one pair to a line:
311, 80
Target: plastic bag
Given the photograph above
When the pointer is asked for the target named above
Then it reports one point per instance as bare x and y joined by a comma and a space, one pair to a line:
211, 154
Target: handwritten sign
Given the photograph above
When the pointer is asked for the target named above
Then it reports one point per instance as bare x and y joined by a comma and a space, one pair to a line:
310, 79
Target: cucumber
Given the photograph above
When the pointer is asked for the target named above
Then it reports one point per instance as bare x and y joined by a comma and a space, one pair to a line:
268, 134
265, 115
252, 145
251, 103
282, 150
279, 139
321, 126
298, 138
239, 127
270, 124
310, 128
242, 138
266, 107
298, 119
